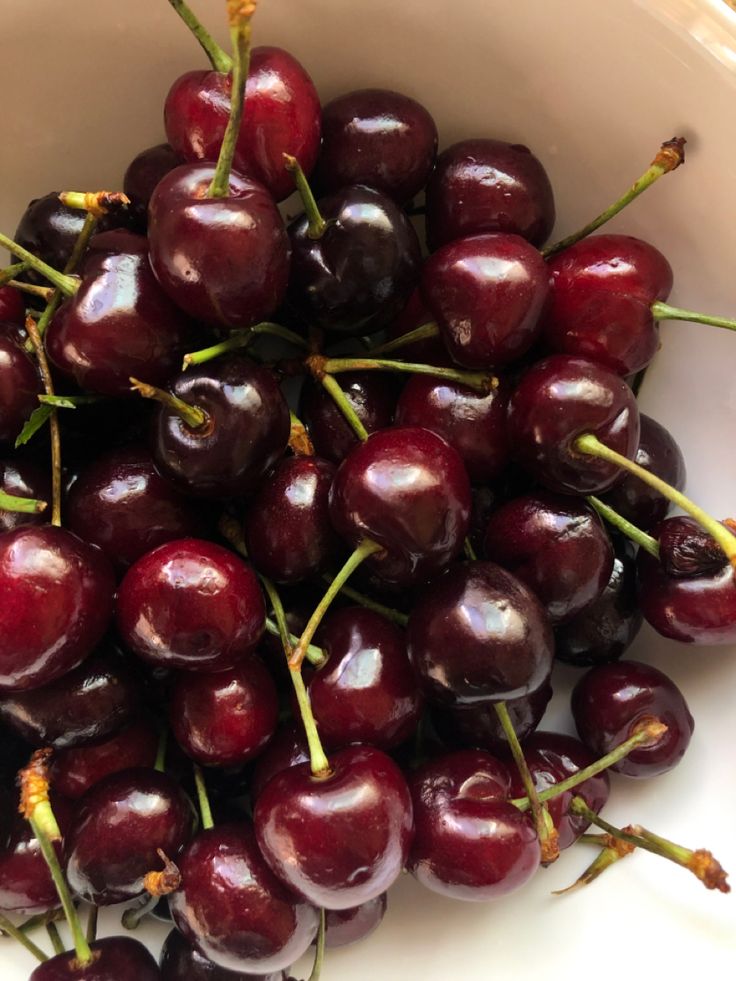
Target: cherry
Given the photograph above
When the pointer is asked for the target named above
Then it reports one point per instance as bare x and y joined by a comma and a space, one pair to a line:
244, 432
611, 699
416, 314
22, 478
227, 718
232, 907
478, 634
313, 830
560, 399
120, 503
287, 524
113, 959
631, 497
487, 293
488, 186
122, 823
406, 489
556, 546
55, 604
144, 173
12, 307
470, 843
287, 748
379, 138
20, 386
366, 691
472, 422
348, 926
192, 605
181, 961
282, 115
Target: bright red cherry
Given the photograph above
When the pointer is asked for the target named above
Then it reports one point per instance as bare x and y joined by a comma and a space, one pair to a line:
181, 961
144, 173
23, 478
20, 386
115, 959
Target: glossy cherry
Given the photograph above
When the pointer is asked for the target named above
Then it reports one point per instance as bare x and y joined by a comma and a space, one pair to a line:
144, 173
23, 478
287, 748
488, 186
348, 926
560, 399
379, 138
191, 605
114, 959
478, 634
181, 961
233, 908
20, 386
611, 699
12, 307
470, 843
407, 489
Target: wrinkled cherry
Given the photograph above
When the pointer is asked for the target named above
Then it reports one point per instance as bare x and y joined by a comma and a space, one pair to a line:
114, 959
20, 386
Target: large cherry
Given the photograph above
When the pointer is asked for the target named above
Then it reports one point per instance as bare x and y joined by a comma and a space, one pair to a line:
23, 478
181, 961
114, 959
20, 386
144, 173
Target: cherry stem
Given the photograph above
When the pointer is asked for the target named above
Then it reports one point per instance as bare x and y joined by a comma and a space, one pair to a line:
319, 954
480, 381
21, 505
45, 292
92, 918
591, 445
422, 333
240, 13
48, 385
396, 616
242, 338
671, 154
17, 934
639, 537
67, 284
163, 742
97, 203
647, 733
134, 915
205, 810
663, 311
55, 937
40, 920
547, 836
332, 387
700, 862
80, 247
316, 224
612, 851
366, 548
315, 655
469, 550
194, 417
299, 442
219, 58
8, 274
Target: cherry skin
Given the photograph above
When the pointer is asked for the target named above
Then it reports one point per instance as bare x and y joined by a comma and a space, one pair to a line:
557, 546
144, 173
486, 293
224, 261
232, 907
20, 386
12, 306
115, 959
610, 700
312, 830
181, 961
366, 692
357, 277
23, 478
246, 431
281, 115
287, 524
191, 605
288, 748
121, 824
408, 490
227, 718
55, 604
470, 843
478, 634
603, 288
472, 422
379, 138
560, 399
120, 503
416, 314
488, 186
348, 926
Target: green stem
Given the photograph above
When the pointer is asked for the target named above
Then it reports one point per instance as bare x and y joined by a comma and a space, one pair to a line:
639, 537
319, 954
480, 381
671, 154
663, 311
97, 203
55, 937
193, 417
316, 224
54, 429
134, 915
469, 550
163, 742
205, 810
422, 333
80, 247
34, 922
21, 505
241, 339
92, 917
219, 58
332, 386
592, 445
45, 292
315, 655
396, 616
10, 273
608, 856
67, 284
13, 931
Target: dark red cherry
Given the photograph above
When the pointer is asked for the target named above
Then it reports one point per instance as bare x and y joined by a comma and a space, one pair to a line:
560, 399
23, 478
603, 288
287, 748
26, 886
366, 692
379, 138
74, 771
191, 605
486, 293
610, 700
246, 431
122, 823
605, 629
287, 524
469, 843
282, 115
686, 550
144, 173
472, 422
340, 839
348, 926
233, 908
557, 546
372, 397
114, 959
478, 634
658, 452
55, 604
227, 718
120, 503
20, 386
12, 307
407, 489
181, 961
416, 314
488, 186
357, 277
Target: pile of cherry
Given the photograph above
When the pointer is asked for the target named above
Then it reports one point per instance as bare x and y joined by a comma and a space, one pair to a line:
284, 617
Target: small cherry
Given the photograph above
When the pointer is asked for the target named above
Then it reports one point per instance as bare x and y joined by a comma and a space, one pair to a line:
20, 478
20, 386
181, 961
348, 926
144, 173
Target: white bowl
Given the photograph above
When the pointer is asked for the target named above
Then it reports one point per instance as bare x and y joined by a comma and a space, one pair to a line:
592, 87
